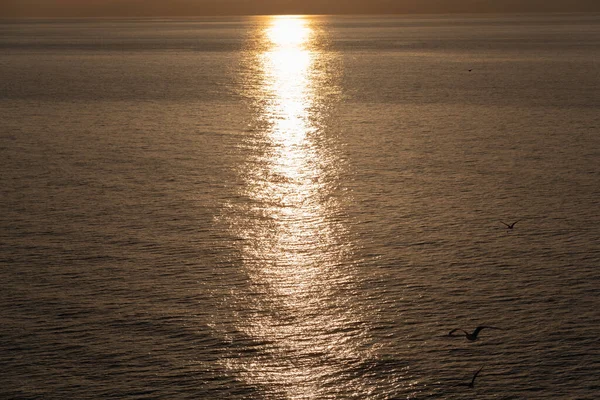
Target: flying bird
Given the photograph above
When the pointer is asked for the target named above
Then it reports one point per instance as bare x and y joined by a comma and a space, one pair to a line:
472, 383
509, 226
471, 336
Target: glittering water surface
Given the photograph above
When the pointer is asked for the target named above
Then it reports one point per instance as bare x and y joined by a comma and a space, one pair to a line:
300, 208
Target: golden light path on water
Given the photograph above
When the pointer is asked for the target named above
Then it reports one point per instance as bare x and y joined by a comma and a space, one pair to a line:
303, 308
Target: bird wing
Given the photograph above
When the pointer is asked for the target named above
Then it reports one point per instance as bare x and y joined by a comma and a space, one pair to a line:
479, 328
475, 375
504, 223
455, 330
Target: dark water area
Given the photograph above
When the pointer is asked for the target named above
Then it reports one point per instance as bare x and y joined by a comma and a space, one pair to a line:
300, 207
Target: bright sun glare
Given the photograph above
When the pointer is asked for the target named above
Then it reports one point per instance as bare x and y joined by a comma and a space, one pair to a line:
291, 249
288, 31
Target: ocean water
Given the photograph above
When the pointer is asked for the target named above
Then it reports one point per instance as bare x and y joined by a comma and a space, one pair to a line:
300, 207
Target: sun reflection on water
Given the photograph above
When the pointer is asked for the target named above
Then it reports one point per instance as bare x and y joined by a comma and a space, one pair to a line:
300, 307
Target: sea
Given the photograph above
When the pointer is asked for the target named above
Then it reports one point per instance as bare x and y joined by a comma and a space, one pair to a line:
300, 207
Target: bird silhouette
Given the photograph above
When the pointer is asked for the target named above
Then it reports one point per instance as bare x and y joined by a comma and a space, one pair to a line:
509, 226
472, 383
471, 336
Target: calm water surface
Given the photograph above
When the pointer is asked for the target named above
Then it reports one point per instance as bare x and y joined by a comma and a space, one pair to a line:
300, 208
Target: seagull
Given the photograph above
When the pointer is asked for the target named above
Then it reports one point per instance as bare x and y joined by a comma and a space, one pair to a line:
471, 336
509, 226
472, 383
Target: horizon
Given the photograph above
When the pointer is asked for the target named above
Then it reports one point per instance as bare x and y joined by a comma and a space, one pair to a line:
19, 9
